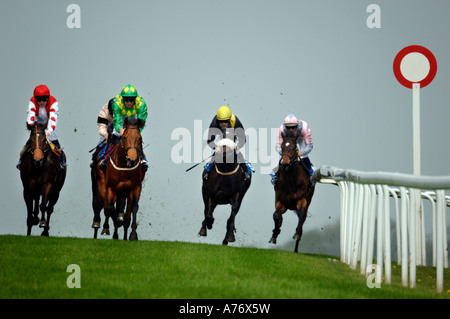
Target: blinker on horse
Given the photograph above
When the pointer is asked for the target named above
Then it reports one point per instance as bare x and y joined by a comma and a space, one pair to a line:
293, 190
42, 178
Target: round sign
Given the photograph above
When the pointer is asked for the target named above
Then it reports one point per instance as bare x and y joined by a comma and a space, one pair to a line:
415, 64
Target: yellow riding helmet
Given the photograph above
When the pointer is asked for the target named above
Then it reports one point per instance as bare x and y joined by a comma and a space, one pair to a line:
223, 113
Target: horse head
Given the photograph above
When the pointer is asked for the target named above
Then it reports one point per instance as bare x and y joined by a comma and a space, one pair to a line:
38, 142
227, 150
289, 150
132, 139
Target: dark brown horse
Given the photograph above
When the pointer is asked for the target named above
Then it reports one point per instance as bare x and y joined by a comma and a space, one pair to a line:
293, 190
225, 185
123, 181
42, 178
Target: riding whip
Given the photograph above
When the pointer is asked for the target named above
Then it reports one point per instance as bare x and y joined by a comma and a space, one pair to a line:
199, 163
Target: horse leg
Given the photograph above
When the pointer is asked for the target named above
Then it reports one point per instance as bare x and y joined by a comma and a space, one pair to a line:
31, 217
209, 219
44, 209
134, 210
105, 230
109, 210
127, 217
97, 206
301, 213
97, 219
229, 236
278, 221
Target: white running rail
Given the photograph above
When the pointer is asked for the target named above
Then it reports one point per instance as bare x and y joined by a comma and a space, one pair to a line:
365, 203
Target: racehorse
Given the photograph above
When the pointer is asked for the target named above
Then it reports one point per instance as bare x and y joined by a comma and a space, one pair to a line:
123, 181
293, 189
41, 176
225, 185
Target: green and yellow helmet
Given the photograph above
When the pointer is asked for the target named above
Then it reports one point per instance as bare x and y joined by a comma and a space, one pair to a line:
129, 91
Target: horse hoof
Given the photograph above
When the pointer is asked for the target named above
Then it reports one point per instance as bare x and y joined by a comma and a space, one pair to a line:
95, 225
120, 217
105, 231
43, 223
202, 232
231, 239
133, 236
272, 241
296, 237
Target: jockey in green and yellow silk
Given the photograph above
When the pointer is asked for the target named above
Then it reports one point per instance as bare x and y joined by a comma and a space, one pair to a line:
127, 103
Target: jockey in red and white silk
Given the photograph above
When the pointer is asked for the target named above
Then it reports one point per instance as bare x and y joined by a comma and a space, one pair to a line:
49, 112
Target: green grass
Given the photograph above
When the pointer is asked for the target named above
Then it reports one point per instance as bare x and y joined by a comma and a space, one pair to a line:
36, 267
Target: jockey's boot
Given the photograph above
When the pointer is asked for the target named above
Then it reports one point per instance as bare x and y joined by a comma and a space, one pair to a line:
102, 165
104, 159
144, 164
62, 163
274, 178
247, 169
208, 169
144, 161
22, 153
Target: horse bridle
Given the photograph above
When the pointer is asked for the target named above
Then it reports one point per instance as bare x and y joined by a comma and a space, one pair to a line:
131, 147
292, 159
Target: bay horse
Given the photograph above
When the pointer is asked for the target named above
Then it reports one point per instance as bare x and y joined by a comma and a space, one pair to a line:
293, 190
225, 185
123, 180
42, 178
98, 183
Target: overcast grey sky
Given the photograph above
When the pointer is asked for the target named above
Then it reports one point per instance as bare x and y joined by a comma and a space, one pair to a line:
265, 59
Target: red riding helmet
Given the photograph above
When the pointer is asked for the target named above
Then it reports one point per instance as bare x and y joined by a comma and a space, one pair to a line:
41, 90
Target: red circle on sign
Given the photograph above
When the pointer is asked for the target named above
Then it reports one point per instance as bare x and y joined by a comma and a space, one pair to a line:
419, 49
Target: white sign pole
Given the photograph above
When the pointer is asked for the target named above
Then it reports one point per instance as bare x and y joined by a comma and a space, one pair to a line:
416, 128
415, 67
417, 171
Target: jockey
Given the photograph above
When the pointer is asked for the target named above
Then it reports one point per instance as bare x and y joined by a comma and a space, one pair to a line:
127, 103
304, 141
104, 127
43, 108
224, 120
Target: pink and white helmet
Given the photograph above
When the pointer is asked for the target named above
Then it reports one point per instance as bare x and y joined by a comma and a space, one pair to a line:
290, 120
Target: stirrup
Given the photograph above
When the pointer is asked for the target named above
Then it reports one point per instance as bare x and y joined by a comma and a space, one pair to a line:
102, 165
